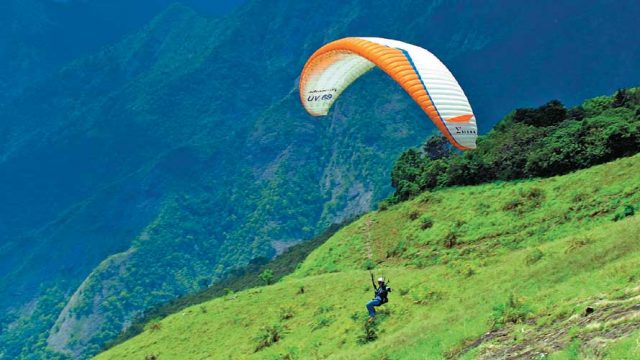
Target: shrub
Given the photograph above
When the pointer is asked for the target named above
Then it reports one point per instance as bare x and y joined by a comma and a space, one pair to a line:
369, 264
154, 325
323, 309
425, 296
266, 276
414, 215
534, 256
399, 249
321, 318
624, 212
268, 336
513, 204
286, 313
426, 223
370, 332
580, 197
384, 205
533, 194
420, 262
513, 311
466, 270
576, 244
321, 321
358, 315
450, 240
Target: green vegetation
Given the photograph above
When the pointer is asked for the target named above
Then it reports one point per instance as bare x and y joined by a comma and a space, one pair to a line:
505, 268
625, 348
152, 168
239, 279
165, 170
266, 276
546, 141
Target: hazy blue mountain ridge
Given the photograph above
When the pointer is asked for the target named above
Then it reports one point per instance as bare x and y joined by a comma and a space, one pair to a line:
37, 37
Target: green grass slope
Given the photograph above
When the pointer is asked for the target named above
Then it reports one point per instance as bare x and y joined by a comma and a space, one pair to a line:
478, 272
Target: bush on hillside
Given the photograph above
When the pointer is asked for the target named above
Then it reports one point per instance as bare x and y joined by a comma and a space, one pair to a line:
369, 264
154, 325
266, 276
399, 249
413, 215
541, 142
286, 313
534, 256
321, 321
450, 240
370, 333
625, 211
268, 336
426, 222
577, 243
513, 311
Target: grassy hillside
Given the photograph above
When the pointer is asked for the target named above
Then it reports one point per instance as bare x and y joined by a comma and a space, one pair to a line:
239, 279
477, 272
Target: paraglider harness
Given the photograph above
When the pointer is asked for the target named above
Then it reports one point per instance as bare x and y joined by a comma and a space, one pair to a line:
382, 292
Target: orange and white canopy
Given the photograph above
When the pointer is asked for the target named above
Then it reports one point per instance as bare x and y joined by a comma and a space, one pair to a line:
333, 67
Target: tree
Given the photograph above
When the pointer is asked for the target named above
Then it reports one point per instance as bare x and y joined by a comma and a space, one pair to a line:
266, 276
620, 98
437, 147
405, 174
545, 141
576, 113
549, 114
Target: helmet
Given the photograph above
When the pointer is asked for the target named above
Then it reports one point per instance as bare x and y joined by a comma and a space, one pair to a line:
380, 279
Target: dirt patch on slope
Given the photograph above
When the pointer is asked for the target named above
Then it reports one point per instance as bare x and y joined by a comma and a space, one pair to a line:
600, 322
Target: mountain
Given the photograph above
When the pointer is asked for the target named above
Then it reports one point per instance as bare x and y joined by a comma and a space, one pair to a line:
552, 141
37, 37
161, 163
556, 277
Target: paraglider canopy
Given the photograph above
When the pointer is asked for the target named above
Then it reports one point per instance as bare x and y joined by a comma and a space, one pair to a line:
333, 67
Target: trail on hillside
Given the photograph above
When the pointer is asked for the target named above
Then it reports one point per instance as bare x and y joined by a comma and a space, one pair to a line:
602, 321
367, 242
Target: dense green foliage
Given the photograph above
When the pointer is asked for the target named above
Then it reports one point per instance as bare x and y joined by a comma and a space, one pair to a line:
529, 257
546, 141
38, 37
